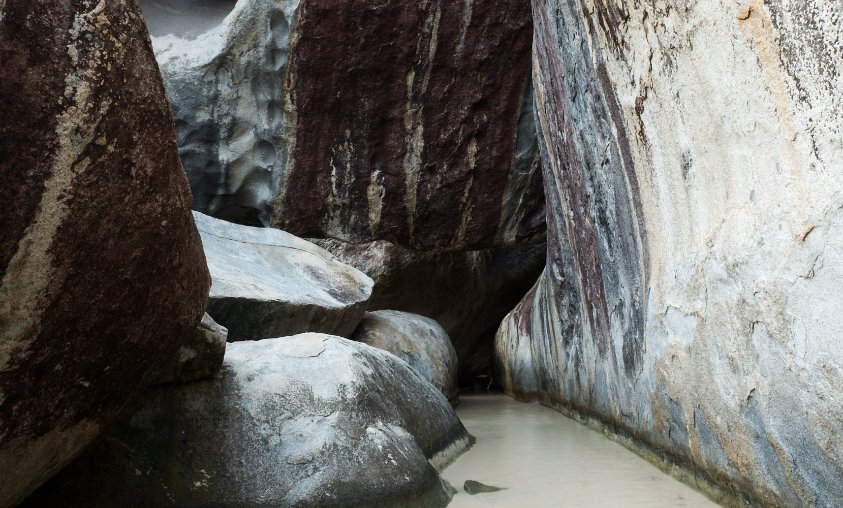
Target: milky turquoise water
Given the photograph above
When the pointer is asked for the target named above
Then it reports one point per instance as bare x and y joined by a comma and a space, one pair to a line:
545, 459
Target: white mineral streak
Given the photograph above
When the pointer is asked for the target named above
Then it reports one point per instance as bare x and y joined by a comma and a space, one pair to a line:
413, 119
23, 288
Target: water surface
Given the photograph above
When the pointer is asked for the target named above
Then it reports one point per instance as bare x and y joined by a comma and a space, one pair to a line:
545, 459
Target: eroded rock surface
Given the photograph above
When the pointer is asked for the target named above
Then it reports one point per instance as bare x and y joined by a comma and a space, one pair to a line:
468, 293
404, 121
268, 283
419, 341
101, 269
309, 420
692, 297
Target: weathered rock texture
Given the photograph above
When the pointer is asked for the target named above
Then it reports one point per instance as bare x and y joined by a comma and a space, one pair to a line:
693, 155
405, 121
468, 293
268, 283
309, 420
101, 269
200, 355
419, 341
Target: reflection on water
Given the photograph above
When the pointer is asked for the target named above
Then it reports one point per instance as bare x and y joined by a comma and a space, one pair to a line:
543, 458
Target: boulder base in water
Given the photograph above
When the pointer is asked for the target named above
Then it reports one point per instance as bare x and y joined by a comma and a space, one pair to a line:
308, 420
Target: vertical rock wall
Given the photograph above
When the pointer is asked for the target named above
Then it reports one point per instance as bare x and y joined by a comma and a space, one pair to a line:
693, 157
409, 122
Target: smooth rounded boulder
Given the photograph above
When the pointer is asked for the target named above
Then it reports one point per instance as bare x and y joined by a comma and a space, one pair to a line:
419, 341
101, 269
308, 420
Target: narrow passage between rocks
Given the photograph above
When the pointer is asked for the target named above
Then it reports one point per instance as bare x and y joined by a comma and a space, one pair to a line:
541, 458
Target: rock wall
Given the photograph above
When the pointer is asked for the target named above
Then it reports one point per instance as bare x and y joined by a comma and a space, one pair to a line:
101, 269
404, 121
693, 157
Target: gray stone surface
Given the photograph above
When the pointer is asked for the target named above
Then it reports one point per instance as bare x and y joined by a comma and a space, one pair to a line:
419, 341
693, 294
200, 355
222, 64
309, 420
268, 283
468, 293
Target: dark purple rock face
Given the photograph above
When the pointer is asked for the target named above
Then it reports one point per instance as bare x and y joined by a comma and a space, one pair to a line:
101, 268
407, 119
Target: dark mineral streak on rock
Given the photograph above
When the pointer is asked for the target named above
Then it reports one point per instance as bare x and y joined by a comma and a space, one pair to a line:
407, 118
600, 206
101, 268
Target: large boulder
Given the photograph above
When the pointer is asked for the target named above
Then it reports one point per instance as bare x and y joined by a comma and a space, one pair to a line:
268, 283
468, 293
101, 269
309, 420
419, 341
406, 121
693, 293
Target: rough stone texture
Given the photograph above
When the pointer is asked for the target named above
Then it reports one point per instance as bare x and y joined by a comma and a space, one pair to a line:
468, 293
693, 157
309, 420
200, 355
268, 283
419, 341
101, 269
405, 121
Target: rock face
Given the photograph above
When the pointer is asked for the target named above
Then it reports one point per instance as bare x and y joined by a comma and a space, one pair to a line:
405, 121
200, 355
310, 420
101, 269
419, 341
268, 283
692, 295
468, 293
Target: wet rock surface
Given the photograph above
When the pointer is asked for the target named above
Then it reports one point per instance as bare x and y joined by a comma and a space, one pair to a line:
468, 293
101, 268
404, 121
691, 297
419, 341
308, 420
268, 283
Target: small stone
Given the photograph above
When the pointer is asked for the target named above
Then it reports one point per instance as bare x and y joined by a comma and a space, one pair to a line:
475, 487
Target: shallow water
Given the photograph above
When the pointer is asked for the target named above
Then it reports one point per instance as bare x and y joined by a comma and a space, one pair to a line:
543, 458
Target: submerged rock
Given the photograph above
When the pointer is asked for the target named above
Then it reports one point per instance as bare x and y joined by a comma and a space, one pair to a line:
101, 268
308, 420
200, 355
361, 121
692, 297
419, 341
475, 487
468, 293
268, 283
